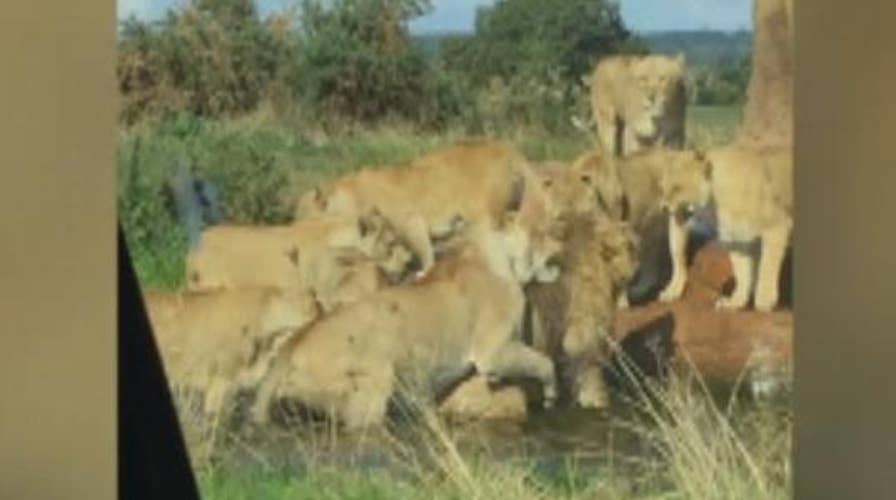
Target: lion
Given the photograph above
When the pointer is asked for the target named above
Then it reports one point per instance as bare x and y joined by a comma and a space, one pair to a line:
464, 315
220, 341
638, 102
474, 181
319, 252
573, 316
629, 189
751, 193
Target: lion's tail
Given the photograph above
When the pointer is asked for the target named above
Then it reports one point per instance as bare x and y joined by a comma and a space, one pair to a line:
196, 201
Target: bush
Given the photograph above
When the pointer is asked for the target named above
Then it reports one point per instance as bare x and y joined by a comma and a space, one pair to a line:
538, 104
533, 37
723, 85
210, 58
254, 185
360, 62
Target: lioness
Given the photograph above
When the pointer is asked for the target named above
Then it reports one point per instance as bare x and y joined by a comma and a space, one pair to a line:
638, 101
752, 196
219, 341
474, 181
319, 252
573, 316
465, 313
629, 189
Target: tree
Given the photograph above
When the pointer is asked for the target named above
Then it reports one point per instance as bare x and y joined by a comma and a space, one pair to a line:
359, 60
534, 36
210, 57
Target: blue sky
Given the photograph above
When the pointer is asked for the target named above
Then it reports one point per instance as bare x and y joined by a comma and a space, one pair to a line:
458, 15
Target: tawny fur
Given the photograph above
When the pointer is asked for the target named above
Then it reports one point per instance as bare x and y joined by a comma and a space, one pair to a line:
320, 253
467, 311
751, 193
573, 316
474, 181
638, 102
219, 341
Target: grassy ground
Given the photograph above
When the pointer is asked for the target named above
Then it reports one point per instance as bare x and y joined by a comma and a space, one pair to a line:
261, 163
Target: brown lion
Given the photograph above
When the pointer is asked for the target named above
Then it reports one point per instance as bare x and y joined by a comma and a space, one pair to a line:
472, 182
465, 314
638, 101
318, 252
220, 341
752, 196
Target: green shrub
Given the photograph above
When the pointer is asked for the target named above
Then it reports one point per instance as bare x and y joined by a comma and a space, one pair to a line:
360, 62
532, 37
210, 58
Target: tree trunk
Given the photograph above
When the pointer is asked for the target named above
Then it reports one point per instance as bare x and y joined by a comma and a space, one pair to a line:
768, 112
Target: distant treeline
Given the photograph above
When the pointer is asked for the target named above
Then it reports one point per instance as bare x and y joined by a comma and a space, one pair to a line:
719, 60
355, 60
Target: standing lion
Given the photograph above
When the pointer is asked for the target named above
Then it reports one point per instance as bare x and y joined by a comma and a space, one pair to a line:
639, 102
751, 193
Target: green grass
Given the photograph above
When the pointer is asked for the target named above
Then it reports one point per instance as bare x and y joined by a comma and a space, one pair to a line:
262, 163
318, 485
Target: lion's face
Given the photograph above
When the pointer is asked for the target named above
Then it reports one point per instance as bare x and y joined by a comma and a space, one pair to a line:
685, 184
656, 79
596, 173
571, 192
382, 243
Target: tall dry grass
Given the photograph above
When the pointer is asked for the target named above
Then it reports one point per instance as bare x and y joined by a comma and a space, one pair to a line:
692, 445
